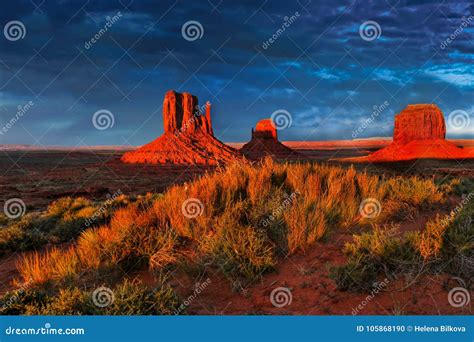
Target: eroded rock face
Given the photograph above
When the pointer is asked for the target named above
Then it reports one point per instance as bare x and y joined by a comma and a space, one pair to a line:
265, 143
419, 122
188, 137
181, 113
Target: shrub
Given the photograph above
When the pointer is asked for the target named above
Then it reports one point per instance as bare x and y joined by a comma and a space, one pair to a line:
129, 298
243, 252
372, 253
63, 220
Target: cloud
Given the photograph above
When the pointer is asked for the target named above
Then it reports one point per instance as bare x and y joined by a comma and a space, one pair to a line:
327, 67
461, 75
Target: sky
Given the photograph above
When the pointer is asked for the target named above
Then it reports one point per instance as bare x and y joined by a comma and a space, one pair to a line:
95, 72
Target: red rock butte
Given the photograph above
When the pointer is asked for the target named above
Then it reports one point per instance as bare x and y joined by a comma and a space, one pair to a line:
188, 136
419, 133
419, 122
265, 142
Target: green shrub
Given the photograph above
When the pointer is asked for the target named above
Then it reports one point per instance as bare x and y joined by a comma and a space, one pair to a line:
374, 254
129, 298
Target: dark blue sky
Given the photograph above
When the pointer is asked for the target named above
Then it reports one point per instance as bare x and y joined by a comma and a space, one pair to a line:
319, 69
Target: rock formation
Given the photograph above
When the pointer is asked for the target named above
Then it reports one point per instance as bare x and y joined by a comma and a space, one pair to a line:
419, 122
265, 143
419, 133
188, 136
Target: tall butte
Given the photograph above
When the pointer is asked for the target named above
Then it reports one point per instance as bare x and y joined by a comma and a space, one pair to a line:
419, 133
188, 136
265, 142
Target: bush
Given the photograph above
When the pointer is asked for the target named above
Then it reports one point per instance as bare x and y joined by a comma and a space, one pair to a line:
446, 244
129, 298
371, 254
243, 252
62, 221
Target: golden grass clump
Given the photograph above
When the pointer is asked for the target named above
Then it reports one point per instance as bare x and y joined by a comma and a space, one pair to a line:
430, 241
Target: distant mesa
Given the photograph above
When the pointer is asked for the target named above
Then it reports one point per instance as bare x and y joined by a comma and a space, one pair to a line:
419, 133
419, 122
265, 143
188, 137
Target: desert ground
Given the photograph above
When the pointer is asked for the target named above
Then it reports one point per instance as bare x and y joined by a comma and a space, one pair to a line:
317, 271
40, 176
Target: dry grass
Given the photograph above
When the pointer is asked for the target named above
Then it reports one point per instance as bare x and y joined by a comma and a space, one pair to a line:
246, 220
